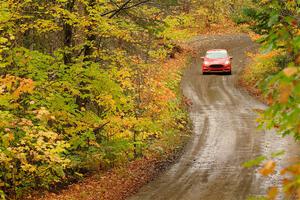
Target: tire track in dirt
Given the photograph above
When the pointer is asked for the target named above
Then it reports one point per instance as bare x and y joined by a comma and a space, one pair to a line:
224, 134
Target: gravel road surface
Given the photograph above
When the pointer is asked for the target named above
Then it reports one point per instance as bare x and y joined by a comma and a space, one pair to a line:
224, 136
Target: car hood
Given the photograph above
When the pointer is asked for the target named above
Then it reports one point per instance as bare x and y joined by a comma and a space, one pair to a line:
216, 60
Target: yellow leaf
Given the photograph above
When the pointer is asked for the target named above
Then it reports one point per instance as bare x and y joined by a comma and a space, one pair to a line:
290, 71
268, 168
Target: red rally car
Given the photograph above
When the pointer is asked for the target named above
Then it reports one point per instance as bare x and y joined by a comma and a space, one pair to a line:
216, 60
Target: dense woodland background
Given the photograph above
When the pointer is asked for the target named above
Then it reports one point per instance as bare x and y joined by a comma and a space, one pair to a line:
82, 87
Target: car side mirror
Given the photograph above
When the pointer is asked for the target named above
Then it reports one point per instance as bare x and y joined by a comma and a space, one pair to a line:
230, 57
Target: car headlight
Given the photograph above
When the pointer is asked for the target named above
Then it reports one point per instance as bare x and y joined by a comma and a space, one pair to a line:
227, 62
206, 63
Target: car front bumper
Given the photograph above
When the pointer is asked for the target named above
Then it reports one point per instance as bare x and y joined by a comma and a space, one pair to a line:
214, 69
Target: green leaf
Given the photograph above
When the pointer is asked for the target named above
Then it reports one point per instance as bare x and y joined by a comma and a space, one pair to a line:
273, 19
255, 162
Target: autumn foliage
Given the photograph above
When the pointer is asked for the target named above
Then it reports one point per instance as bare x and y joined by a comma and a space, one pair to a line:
83, 86
82, 89
276, 73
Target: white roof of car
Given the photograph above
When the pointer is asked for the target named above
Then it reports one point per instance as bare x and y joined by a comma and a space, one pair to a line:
217, 50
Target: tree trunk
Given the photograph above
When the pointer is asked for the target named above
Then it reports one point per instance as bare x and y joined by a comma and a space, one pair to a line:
68, 35
90, 38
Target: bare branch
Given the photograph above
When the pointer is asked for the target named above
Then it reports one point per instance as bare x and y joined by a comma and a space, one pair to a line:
125, 6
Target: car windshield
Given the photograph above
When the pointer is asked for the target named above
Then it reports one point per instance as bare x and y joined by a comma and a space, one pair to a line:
217, 54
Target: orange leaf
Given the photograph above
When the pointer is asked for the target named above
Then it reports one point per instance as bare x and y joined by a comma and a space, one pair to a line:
298, 193
297, 59
285, 92
268, 168
294, 169
272, 193
288, 190
11, 136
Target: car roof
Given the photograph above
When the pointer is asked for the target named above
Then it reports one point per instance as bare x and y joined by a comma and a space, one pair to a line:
216, 50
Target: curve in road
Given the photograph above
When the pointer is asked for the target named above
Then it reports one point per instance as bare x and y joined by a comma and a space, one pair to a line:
224, 137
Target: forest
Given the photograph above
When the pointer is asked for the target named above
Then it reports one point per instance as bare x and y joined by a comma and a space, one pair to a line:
83, 87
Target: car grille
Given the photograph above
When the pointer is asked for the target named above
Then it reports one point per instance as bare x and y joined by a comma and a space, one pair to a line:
216, 66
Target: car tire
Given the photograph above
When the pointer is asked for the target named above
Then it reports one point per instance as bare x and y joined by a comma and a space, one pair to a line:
204, 73
229, 73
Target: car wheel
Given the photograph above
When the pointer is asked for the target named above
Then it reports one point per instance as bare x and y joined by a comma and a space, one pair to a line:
204, 73
229, 73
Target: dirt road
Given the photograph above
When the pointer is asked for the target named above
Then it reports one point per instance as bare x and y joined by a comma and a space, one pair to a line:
224, 137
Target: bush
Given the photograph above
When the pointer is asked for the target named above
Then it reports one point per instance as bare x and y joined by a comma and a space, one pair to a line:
262, 66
